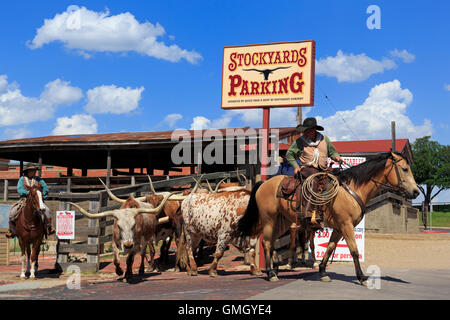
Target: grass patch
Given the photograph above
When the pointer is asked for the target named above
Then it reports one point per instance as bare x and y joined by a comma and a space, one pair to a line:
439, 219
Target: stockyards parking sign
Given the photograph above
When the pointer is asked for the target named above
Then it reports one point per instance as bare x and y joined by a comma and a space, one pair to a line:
268, 75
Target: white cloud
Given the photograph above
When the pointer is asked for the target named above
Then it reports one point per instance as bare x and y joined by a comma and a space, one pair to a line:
17, 109
87, 31
61, 93
77, 124
171, 119
447, 87
352, 68
404, 55
17, 133
112, 99
372, 119
200, 123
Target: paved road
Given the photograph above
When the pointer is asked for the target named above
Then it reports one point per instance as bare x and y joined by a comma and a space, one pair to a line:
393, 284
405, 284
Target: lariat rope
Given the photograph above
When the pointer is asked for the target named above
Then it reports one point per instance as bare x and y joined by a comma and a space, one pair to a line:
320, 198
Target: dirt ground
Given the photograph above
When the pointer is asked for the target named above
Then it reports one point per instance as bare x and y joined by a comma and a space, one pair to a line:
421, 251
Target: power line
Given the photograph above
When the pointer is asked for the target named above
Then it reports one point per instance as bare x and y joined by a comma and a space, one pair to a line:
335, 109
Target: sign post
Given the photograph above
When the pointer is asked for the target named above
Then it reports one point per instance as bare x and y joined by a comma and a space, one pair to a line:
268, 76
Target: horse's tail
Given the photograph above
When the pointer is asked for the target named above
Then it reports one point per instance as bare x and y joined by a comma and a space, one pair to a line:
250, 218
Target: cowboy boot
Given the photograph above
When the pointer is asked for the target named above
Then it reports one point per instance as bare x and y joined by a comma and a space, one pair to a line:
48, 224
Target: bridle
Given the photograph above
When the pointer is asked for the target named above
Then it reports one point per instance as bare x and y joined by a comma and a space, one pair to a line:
399, 187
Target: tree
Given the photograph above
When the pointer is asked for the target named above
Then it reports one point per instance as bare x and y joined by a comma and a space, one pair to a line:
431, 167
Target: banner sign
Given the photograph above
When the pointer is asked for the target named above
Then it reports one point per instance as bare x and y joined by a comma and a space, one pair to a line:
341, 253
65, 225
268, 75
351, 161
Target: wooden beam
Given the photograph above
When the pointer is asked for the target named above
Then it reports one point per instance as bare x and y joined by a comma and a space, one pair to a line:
108, 168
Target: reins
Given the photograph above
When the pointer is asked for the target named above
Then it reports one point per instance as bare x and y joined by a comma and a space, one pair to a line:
398, 188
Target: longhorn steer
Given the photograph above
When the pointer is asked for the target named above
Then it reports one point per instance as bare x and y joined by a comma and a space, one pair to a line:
134, 229
213, 217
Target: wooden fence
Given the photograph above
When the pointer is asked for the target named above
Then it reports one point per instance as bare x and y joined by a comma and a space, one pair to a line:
97, 201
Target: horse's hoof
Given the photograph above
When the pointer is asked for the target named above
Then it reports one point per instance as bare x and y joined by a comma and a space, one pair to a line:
192, 273
289, 267
119, 272
315, 265
22, 277
325, 279
213, 274
257, 273
364, 283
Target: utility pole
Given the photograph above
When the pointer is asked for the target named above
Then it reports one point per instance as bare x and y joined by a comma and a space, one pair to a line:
299, 115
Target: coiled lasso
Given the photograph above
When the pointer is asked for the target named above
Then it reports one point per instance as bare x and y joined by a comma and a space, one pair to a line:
320, 198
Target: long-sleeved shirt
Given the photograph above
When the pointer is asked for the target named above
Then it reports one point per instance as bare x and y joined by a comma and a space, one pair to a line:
24, 192
294, 152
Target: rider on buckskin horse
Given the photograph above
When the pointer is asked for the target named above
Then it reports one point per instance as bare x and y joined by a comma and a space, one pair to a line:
29, 174
313, 150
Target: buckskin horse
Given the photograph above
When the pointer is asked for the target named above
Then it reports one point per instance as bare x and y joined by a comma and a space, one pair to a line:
358, 185
30, 229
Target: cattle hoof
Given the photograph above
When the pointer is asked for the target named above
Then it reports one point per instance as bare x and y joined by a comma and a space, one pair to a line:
325, 279
213, 274
274, 279
256, 272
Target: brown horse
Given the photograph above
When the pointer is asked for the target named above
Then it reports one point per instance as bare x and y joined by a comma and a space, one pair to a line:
343, 213
30, 229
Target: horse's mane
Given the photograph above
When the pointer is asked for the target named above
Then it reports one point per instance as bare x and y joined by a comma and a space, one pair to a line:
363, 172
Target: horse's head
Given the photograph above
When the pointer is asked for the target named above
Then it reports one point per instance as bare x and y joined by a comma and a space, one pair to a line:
35, 196
399, 175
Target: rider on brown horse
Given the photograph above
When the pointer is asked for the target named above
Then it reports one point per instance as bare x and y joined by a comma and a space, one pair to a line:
29, 174
313, 150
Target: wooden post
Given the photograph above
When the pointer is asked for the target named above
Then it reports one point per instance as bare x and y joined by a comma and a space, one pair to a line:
5, 190
393, 135
40, 164
61, 258
93, 258
108, 168
84, 172
21, 168
133, 183
69, 184
265, 143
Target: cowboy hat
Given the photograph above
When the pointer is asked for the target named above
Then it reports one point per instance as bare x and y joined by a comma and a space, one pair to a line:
309, 123
30, 166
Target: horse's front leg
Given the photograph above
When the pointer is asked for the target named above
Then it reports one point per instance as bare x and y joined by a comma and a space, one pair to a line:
34, 259
349, 236
335, 236
23, 259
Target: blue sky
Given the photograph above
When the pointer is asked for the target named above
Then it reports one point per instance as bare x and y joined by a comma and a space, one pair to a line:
58, 81
72, 67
